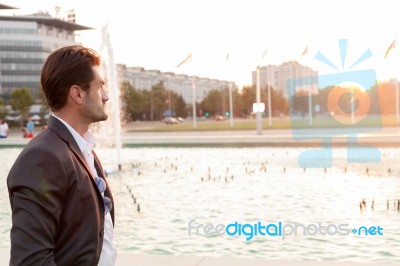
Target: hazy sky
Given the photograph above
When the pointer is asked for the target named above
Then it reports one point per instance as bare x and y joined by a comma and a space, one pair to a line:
158, 34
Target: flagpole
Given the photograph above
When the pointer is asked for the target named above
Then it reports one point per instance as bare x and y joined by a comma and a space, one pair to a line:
392, 46
230, 104
258, 99
269, 103
258, 95
194, 100
1, 91
230, 93
310, 120
397, 101
187, 59
309, 106
352, 106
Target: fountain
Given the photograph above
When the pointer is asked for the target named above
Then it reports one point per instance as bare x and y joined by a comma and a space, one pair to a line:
169, 187
112, 126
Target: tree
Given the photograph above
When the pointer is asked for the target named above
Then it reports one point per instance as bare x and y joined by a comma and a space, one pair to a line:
279, 104
248, 98
133, 102
386, 94
300, 103
21, 101
178, 105
3, 110
147, 105
212, 103
237, 102
158, 101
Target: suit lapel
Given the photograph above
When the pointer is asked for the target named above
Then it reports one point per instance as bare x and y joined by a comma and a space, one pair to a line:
62, 131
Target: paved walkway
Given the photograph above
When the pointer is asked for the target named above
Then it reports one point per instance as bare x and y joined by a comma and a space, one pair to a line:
389, 136
282, 137
169, 260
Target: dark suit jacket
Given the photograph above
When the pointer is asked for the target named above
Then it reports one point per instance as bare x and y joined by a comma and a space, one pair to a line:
57, 210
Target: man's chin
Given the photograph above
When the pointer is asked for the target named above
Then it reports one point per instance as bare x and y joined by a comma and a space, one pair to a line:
100, 118
104, 118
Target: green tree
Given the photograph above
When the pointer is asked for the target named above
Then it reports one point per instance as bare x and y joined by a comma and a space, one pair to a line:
147, 105
178, 105
158, 101
212, 103
21, 101
237, 103
300, 103
3, 110
248, 98
133, 102
279, 104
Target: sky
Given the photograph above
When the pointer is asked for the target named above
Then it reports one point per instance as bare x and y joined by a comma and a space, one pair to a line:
159, 34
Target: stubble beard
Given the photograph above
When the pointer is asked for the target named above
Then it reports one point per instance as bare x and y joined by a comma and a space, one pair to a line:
100, 116
96, 114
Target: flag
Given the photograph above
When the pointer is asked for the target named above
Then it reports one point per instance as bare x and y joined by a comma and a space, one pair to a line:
305, 52
392, 46
264, 54
187, 59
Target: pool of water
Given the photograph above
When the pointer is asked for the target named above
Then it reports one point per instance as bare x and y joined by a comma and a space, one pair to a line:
222, 185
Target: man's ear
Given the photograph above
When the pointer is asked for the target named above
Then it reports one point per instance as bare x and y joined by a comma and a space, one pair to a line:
76, 94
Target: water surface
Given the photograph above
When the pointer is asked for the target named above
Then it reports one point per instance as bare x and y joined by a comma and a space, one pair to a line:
223, 185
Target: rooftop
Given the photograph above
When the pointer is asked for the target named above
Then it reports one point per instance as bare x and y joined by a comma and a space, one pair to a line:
46, 19
6, 7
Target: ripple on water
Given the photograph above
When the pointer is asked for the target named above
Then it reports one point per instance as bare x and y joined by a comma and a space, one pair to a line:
170, 198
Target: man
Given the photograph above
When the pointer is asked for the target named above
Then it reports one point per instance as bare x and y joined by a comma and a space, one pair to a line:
62, 210
3, 129
29, 128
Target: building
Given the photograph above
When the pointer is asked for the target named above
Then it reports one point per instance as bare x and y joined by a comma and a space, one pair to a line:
277, 76
143, 79
25, 43
6, 7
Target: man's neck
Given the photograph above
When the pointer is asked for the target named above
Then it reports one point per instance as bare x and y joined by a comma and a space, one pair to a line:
72, 120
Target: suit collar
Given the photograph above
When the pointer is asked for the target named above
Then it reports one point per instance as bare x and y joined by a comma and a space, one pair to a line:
62, 131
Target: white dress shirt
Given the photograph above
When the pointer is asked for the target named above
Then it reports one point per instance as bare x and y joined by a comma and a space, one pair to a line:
86, 143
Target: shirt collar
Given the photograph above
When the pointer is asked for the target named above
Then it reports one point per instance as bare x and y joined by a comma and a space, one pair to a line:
85, 142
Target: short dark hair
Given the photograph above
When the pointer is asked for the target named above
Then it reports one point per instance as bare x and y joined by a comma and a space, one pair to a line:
65, 67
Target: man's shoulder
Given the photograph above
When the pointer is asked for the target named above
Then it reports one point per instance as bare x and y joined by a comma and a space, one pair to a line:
44, 149
47, 140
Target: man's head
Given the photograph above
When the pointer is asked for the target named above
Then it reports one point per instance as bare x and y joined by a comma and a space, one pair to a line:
71, 75
65, 67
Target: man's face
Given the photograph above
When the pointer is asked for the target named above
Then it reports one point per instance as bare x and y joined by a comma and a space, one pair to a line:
95, 100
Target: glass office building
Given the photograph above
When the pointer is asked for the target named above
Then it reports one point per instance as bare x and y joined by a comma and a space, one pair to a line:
25, 43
